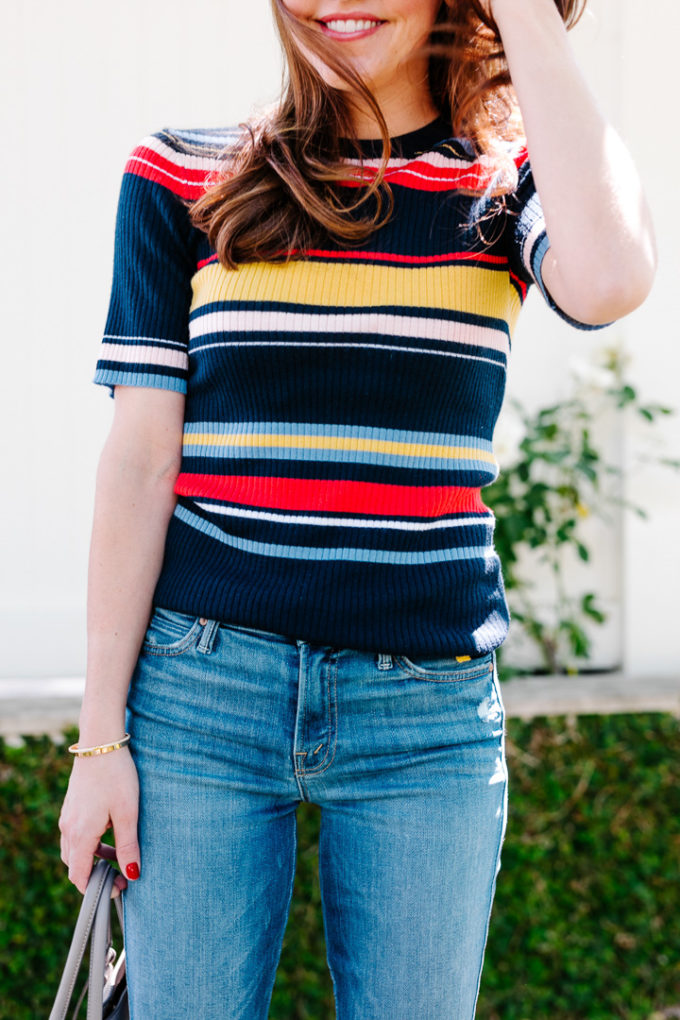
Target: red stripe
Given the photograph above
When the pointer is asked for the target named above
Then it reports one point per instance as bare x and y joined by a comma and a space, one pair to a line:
206, 262
147, 163
469, 181
379, 256
474, 178
457, 256
336, 495
520, 284
424, 176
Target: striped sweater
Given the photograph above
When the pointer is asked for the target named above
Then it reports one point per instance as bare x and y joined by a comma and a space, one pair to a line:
340, 407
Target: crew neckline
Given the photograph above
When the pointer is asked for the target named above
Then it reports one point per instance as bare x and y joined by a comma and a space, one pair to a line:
406, 145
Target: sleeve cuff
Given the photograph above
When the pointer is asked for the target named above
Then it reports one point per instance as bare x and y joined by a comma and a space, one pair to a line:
112, 377
536, 259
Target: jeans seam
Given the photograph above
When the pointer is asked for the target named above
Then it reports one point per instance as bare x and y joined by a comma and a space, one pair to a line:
207, 641
176, 647
455, 677
501, 837
331, 673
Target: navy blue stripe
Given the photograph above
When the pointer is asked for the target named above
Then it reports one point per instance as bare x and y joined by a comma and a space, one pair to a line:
134, 341
372, 555
459, 607
316, 535
140, 368
411, 345
352, 470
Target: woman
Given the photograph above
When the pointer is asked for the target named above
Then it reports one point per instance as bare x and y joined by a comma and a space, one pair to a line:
293, 592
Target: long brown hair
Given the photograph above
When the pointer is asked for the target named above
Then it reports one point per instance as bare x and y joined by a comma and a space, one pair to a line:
277, 191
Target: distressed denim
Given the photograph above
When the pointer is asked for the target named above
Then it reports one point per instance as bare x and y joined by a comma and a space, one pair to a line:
231, 728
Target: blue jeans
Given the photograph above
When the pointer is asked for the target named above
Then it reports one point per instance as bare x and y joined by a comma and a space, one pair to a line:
231, 727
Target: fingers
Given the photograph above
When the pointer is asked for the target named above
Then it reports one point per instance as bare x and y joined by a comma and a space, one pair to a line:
95, 802
127, 850
119, 883
81, 861
77, 849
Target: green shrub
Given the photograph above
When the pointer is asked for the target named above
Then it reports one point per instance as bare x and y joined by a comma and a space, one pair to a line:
586, 922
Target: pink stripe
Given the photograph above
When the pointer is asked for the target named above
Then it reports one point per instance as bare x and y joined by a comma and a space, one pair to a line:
140, 354
241, 321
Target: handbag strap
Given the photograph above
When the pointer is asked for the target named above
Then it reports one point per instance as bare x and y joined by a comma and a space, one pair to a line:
99, 943
93, 923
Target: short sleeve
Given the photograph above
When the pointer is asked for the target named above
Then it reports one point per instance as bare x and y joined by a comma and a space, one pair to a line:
528, 241
146, 335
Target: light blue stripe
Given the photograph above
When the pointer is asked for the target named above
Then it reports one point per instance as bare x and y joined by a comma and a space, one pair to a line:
207, 134
111, 377
301, 552
287, 428
536, 257
339, 456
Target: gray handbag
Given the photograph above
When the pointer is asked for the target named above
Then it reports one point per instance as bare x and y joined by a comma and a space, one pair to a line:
107, 983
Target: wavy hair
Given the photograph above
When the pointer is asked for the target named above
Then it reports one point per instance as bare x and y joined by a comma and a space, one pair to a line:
277, 191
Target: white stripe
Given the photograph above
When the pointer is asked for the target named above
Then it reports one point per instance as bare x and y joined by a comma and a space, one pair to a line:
345, 522
166, 173
138, 354
429, 177
151, 339
425, 177
377, 347
434, 159
226, 321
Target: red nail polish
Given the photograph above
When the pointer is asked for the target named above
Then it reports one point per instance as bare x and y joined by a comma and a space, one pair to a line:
132, 870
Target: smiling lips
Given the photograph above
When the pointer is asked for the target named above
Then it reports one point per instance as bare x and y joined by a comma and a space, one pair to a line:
349, 26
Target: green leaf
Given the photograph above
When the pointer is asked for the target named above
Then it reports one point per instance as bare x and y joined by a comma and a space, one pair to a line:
591, 610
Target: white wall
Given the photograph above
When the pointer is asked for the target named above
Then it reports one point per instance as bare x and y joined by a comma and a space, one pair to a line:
84, 85
652, 560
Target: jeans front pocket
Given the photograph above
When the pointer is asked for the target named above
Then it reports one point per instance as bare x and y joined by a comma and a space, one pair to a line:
171, 633
446, 669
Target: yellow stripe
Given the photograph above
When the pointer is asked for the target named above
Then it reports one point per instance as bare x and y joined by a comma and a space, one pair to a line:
337, 443
469, 289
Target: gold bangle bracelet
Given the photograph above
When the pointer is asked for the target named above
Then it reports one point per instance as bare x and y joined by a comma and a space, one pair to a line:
86, 752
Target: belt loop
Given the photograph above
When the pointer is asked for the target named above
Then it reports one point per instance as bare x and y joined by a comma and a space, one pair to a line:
384, 660
210, 628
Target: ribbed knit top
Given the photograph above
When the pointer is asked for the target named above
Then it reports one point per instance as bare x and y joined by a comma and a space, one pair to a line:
340, 407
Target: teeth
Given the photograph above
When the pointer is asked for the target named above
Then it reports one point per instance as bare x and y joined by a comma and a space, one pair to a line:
350, 26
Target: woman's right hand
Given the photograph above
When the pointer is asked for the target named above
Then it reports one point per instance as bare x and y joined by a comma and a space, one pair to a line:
134, 501
103, 791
